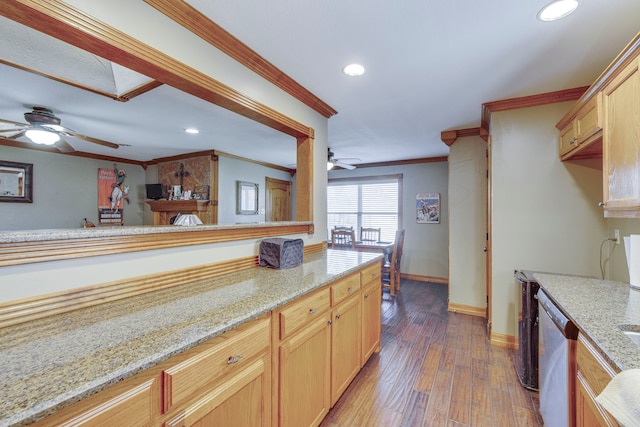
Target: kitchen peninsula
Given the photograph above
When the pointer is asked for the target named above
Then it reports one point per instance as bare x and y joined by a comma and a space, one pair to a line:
58, 360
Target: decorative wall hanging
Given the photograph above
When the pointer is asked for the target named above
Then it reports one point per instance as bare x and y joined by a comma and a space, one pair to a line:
428, 208
16, 182
112, 192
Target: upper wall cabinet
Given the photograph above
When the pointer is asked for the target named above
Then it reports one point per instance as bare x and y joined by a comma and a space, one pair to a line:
605, 123
581, 134
621, 160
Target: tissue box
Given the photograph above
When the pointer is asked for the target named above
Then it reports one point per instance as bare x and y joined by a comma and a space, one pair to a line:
281, 253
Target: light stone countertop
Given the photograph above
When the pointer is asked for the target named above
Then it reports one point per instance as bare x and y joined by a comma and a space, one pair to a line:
50, 363
24, 236
598, 307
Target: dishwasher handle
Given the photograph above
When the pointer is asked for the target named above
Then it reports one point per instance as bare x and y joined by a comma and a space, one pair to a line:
562, 322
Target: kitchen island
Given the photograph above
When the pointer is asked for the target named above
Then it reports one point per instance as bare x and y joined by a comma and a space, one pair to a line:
50, 363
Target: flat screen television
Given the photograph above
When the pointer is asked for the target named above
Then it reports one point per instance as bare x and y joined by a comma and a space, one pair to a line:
154, 191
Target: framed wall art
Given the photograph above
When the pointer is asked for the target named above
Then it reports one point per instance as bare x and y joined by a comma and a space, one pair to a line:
16, 182
428, 208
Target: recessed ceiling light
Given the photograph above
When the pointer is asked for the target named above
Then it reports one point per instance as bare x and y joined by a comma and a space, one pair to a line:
557, 10
192, 130
353, 70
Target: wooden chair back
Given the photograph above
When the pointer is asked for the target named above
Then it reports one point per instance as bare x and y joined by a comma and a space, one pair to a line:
370, 234
391, 270
343, 238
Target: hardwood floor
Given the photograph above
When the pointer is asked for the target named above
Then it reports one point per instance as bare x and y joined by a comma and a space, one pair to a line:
435, 369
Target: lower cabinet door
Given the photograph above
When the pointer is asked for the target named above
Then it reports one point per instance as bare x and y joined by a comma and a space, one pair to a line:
345, 346
371, 321
239, 401
305, 375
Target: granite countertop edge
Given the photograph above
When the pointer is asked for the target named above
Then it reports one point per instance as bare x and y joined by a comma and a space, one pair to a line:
25, 236
87, 388
598, 308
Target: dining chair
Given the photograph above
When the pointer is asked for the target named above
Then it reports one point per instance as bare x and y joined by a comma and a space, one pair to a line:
343, 238
343, 228
370, 234
391, 269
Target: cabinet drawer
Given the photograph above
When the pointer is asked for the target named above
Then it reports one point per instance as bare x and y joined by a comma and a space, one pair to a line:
134, 407
371, 273
344, 288
229, 354
593, 368
297, 314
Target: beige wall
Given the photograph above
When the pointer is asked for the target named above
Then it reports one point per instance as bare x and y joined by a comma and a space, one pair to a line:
425, 250
467, 222
544, 213
616, 266
143, 22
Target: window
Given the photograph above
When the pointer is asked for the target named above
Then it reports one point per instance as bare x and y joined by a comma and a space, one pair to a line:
366, 202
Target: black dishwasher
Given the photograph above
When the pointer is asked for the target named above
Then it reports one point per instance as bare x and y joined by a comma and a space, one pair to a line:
527, 360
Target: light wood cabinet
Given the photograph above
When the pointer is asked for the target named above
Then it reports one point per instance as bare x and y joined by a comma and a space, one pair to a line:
286, 368
304, 375
621, 156
135, 406
371, 300
581, 132
240, 400
593, 375
320, 343
346, 344
226, 379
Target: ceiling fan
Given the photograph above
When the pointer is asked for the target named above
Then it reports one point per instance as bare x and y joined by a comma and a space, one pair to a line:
44, 129
343, 163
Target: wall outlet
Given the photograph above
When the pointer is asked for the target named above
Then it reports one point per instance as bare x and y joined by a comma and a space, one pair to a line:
616, 236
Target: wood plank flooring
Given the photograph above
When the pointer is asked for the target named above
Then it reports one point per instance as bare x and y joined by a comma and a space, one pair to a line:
435, 369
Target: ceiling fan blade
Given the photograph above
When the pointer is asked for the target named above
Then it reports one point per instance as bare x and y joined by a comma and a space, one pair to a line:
349, 160
344, 165
64, 147
14, 129
20, 132
93, 140
3, 123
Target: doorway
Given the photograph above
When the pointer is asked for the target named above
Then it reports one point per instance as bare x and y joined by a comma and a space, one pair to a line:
277, 200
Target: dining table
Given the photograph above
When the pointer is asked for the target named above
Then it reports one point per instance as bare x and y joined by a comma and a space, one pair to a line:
372, 246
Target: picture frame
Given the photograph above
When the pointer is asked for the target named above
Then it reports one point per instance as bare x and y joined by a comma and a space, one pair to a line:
16, 182
428, 208
247, 198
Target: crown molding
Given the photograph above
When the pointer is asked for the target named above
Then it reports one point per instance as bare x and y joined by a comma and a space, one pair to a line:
196, 22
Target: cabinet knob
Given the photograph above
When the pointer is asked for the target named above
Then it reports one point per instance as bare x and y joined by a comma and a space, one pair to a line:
601, 204
313, 310
338, 316
366, 295
234, 359
350, 289
330, 322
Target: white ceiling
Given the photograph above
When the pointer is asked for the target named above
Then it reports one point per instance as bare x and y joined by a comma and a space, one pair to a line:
430, 65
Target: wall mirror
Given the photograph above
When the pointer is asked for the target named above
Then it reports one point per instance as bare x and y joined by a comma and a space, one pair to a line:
16, 182
58, 19
247, 196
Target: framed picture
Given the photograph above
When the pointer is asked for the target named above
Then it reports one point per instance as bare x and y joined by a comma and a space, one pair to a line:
428, 208
247, 198
16, 182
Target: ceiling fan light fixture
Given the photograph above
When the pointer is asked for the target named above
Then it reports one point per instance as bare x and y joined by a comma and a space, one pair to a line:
353, 70
330, 165
43, 137
557, 10
192, 131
